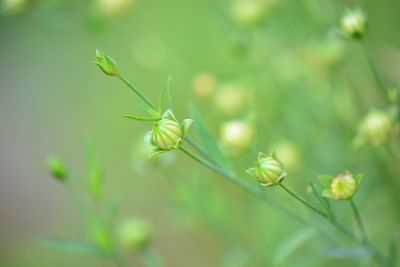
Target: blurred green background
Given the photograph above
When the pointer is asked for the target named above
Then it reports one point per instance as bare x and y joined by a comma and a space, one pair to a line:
302, 85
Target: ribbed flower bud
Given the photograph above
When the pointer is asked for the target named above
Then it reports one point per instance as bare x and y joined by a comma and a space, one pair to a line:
106, 64
166, 134
342, 187
57, 168
269, 170
134, 234
353, 23
237, 136
377, 127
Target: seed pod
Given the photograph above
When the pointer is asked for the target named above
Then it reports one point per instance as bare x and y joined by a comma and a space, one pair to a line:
353, 23
342, 187
106, 64
134, 234
269, 170
57, 168
237, 136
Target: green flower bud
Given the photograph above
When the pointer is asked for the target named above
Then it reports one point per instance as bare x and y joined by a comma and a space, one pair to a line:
230, 98
237, 136
13, 7
342, 187
115, 8
106, 64
377, 127
204, 84
269, 170
249, 13
353, 23
134, 234
57, 168
167, 133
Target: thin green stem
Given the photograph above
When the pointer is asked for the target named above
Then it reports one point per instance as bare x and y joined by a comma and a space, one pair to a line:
378, 78
236, 180
137, 92
302, 200
359, 221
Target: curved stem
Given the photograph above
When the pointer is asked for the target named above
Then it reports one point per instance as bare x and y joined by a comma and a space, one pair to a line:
257, 193
302, 200
359, 221
137, 92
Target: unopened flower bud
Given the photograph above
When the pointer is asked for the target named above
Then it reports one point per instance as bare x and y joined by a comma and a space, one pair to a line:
134, 234
237, 136
230, 98
57, 168
377, 127
204, 84
113, 8
106, 64
269, 170
167, 133
342, 187
249, 13
353, 23
13, 6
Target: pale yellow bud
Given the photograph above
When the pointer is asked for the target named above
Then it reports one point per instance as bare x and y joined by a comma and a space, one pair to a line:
230, 98
204, 84
237, 136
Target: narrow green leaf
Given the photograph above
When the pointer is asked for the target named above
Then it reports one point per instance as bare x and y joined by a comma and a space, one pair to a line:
140, 118
359, 178
327, 193
323, 202
75, 247
185, 125
166, 93
169, 115
325, 180
261, 155
156, 152
209, 144
291, 245
150, 110
251, 171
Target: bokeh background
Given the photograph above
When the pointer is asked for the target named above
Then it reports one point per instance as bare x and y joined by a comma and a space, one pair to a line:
301, 85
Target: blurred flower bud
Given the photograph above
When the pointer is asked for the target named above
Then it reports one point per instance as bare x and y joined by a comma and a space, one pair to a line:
237, 136
168, 134
342, 187
325, 53
269, 170
114, 8
249, 13
13, 6
353, 23
288, 153
230, 98
134, 234
57, 168
106, 64
204, 84
377, 127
